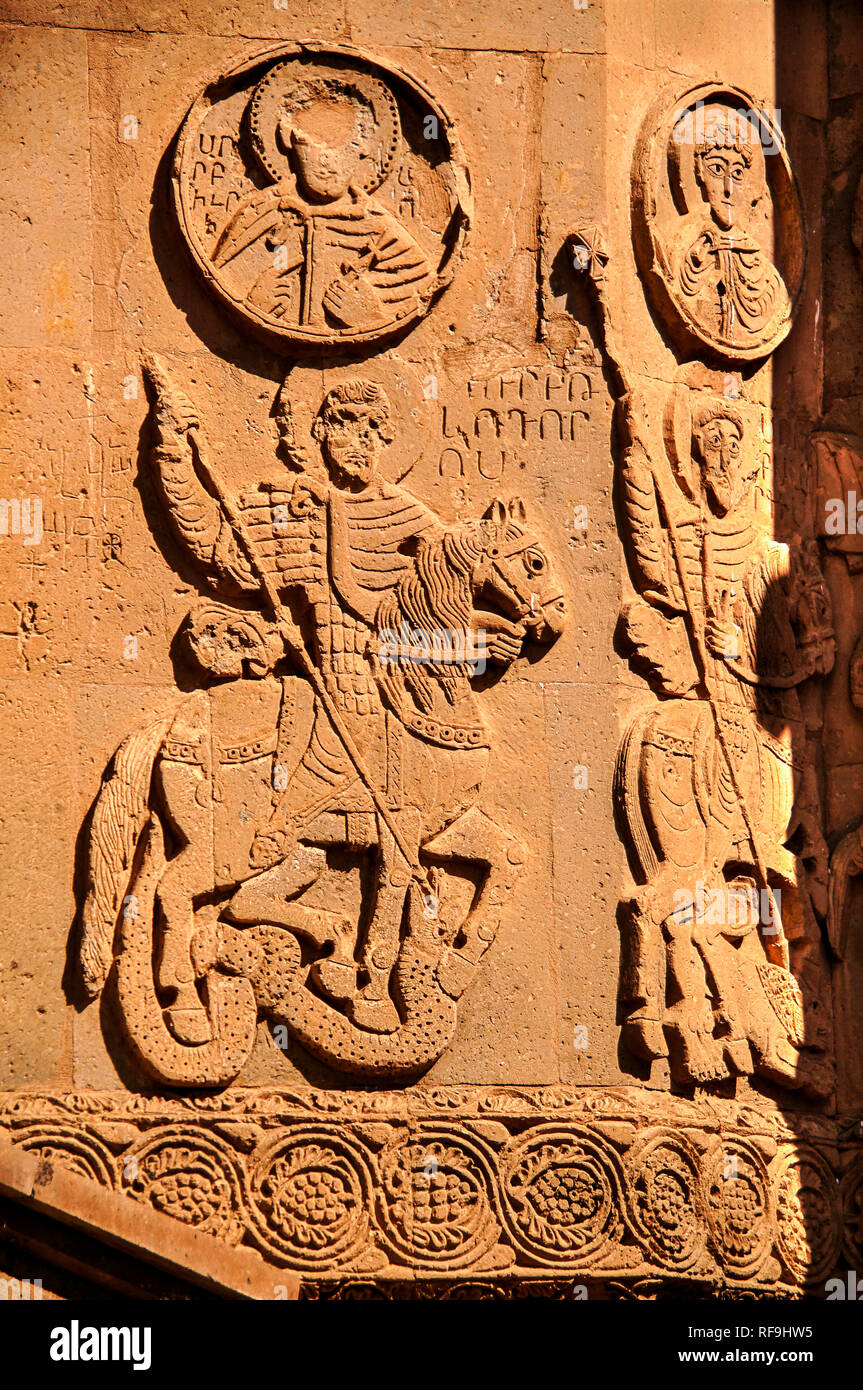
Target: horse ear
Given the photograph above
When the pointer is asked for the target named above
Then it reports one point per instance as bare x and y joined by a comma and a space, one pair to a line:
497, 512
517, 509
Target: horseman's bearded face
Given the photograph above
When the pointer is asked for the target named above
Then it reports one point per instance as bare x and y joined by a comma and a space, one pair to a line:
718, 446
351, 442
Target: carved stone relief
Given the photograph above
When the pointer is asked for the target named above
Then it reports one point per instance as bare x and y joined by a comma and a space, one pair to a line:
716, 780
335, 718
723, 967
460, 911
717, 221
301, 836
473, 1183
322, 196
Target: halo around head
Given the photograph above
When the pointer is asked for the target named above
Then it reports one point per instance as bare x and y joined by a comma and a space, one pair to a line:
291, 84
713, 125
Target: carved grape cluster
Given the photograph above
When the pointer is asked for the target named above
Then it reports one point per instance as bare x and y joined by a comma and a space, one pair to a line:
663, 1179
191, 1179
308, 1200
441, 1200
437, 1196
564, 1194
193, 1197
310, 1197
738, 1207
435, 1199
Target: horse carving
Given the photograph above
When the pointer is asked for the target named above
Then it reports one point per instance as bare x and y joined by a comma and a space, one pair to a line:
223, 844
715, 785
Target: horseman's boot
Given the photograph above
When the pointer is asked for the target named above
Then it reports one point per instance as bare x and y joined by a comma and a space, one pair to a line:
186, 1016
644, 979
372, 1007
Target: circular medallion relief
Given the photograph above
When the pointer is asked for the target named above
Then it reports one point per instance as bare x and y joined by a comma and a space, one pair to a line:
322, 196
718, 226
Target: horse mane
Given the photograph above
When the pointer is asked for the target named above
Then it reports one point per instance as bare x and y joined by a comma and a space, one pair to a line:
770, 590
435, 595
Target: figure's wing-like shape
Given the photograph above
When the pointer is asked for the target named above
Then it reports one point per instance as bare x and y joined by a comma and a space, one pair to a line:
195, 515
654, 573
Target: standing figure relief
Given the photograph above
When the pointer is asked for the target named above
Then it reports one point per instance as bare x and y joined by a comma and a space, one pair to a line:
723, 970
714, 784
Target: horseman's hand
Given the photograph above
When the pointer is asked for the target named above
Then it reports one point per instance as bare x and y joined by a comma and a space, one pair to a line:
720, 632
307, 494
722, 638
268, 848
503, 647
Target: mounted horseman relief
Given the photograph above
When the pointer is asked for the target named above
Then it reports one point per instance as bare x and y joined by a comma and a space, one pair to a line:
430, 658
336, 747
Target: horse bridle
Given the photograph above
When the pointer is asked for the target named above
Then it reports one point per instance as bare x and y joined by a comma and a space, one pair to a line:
494, 554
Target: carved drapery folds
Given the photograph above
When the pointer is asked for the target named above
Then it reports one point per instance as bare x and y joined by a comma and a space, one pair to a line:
722, 958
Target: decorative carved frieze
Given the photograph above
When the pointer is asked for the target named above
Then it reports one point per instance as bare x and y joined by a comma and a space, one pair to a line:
621, 1186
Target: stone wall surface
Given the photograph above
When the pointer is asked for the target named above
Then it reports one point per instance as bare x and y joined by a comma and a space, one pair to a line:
430, 632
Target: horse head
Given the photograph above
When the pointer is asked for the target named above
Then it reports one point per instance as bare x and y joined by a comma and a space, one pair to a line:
227, 643
515, 572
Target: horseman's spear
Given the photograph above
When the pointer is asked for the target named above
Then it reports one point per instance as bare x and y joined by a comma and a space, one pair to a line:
701, 654
293, 640
290, 632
